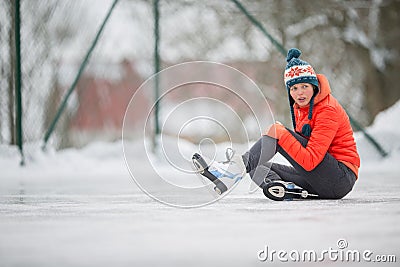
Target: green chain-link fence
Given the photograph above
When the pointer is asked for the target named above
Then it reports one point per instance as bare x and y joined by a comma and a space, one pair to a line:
57, 37
59, 51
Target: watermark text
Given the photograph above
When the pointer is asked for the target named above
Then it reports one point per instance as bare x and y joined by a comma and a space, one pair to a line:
340, 253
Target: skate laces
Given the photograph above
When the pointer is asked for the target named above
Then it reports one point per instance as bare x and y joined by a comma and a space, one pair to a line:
229, 153
220, 168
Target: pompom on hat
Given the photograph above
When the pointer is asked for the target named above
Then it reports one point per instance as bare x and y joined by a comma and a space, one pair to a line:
299, 71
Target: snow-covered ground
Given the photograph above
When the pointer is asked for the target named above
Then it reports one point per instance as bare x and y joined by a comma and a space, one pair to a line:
82, 208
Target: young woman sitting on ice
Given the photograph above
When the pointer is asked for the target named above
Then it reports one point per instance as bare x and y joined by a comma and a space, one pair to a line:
321, 149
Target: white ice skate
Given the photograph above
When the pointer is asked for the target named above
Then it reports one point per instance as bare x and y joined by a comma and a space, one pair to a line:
224, 174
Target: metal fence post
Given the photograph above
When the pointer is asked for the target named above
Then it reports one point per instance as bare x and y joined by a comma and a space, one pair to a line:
18, 81
156, 70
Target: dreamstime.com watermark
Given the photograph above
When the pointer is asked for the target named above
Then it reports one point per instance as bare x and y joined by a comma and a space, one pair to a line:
341, 253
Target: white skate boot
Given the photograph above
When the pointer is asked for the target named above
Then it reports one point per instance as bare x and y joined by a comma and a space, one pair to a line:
224, 174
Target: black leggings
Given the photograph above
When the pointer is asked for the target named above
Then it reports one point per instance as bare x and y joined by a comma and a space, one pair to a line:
331, 179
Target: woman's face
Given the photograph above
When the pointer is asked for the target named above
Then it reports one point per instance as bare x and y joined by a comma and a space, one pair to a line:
302, 93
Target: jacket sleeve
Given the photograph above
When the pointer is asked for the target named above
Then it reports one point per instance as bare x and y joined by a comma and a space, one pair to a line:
325, 128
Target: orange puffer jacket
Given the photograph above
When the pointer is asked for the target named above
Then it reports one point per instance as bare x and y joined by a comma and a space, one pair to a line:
331, 132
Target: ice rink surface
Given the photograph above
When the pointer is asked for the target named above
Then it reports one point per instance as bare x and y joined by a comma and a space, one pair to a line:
101, 223
82, 208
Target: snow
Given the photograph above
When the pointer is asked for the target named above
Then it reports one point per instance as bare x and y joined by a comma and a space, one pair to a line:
307, 24
379, 56
80, 207
385, 130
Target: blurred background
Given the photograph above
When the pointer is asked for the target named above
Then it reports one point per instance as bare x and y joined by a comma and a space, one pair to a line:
354, 43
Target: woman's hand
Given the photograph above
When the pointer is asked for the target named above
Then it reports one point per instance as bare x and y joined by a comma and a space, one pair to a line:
276, 130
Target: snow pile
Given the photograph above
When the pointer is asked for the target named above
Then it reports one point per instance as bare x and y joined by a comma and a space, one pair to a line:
385, 130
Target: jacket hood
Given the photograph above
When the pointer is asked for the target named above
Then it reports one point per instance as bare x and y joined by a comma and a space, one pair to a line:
324, 88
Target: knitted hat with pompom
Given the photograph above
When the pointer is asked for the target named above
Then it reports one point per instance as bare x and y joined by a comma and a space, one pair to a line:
299, 71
